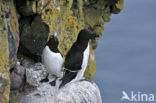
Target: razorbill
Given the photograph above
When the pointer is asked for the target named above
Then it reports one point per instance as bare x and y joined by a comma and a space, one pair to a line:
77, 58
53, 60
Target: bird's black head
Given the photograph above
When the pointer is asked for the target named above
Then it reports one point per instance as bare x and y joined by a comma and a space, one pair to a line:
53, 43
87, 34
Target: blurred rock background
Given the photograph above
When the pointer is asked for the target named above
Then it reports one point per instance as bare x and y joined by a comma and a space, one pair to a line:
26, 25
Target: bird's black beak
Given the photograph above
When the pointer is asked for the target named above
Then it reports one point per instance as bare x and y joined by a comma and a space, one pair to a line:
95, 35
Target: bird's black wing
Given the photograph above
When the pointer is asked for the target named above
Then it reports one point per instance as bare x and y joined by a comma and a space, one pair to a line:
72, 64
74, 60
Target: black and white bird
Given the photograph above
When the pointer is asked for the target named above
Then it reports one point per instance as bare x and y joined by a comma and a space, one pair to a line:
77, 58
53, 60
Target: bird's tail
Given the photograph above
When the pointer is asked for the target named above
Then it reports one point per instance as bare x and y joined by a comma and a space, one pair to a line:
68, 76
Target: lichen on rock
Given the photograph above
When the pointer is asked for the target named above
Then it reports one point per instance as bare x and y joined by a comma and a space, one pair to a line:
8, 45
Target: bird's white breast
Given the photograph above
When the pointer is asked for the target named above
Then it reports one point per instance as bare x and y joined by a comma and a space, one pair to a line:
53, 61
85, 58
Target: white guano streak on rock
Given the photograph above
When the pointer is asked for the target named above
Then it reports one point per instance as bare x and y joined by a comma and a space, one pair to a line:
3, 75
76, 92
55, 33
92, 57
35, 74
58, 8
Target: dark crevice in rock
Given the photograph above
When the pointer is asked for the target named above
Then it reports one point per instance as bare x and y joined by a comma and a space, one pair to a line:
27, 53
12, 44
33, 36
25, 7
26, 23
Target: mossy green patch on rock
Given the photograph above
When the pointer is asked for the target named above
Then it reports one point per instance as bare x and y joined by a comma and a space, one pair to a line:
58, 16
26, 7
4, 56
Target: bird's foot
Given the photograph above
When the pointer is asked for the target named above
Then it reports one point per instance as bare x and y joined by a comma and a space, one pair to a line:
45, 79
53, 83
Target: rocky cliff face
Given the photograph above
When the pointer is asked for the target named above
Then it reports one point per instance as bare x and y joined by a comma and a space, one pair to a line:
25, 26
